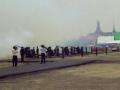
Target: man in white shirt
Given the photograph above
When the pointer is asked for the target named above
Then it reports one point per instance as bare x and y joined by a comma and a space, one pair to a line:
43, 53
15, 56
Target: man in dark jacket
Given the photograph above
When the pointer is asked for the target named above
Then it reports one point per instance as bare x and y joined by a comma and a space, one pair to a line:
82, 51
22, 53
37, 52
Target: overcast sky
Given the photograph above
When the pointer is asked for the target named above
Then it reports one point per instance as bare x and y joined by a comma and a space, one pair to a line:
46, 21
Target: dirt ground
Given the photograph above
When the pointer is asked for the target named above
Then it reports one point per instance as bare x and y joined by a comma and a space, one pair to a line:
96, 76
86, 77
109, 57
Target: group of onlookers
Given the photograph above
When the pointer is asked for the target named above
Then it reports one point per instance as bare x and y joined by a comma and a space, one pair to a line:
28, 53
43, 52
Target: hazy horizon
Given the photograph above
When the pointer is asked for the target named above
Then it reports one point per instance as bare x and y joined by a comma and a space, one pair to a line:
49, 21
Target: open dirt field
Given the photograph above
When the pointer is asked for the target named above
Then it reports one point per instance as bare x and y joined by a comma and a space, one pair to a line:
110, 57
86, 77
96, 76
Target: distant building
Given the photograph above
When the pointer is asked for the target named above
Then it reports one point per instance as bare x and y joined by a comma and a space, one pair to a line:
98, 34
92, 38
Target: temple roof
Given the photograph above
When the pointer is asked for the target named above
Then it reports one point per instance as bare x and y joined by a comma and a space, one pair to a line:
99, 32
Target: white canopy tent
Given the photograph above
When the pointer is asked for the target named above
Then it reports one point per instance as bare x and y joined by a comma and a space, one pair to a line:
107, 40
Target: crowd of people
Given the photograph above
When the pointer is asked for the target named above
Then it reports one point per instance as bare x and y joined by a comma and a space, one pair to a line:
42, 52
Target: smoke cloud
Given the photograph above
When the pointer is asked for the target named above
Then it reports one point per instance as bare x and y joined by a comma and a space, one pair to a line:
36, 22
13, 37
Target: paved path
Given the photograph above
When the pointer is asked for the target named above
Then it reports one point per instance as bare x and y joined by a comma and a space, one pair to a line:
33, 67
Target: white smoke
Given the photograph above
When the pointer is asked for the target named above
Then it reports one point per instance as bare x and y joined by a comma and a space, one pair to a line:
13, 37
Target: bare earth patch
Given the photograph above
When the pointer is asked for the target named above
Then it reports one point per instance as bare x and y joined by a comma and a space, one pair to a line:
97, 76
87, 77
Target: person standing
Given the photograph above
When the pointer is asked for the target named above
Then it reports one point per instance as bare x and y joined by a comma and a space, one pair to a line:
86, 50
15, 56
33, 52
82, 51
63, 52
37, 52
22, 53
43, 54
106, 50
96, 49
49, 50
78, 50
